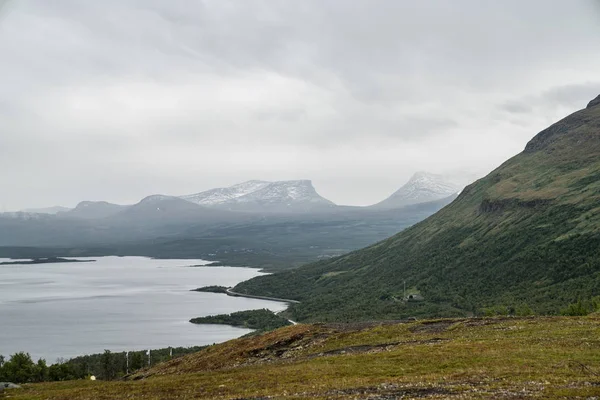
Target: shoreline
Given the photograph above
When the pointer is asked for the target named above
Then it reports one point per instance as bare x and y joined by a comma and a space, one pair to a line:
156, 268
52, 260
229, 292
249, 296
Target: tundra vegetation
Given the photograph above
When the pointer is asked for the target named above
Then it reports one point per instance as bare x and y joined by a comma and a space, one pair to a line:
499, 357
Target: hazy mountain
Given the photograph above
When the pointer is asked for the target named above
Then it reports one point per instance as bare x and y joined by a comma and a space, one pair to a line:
94, 210
169, 209
49, 210
271, 224
30, 229
25, 216
163, 226
421, 188
261, 196
527, 236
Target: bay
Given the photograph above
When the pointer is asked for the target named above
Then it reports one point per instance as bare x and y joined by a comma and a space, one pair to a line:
64, 310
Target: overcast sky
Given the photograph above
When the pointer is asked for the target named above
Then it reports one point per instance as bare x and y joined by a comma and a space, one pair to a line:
118, 99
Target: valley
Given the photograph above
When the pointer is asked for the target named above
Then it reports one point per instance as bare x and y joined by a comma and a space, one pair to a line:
511, 250
264, 200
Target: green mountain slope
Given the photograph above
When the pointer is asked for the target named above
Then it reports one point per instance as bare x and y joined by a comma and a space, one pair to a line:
527, 236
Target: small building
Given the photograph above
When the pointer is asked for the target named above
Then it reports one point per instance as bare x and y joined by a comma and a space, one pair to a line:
414, 297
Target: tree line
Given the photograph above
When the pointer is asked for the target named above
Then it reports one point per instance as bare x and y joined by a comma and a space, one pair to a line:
21, 368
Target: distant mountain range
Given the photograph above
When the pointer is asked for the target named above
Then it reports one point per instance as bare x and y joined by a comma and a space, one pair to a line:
271, 224
47, 210
295, 196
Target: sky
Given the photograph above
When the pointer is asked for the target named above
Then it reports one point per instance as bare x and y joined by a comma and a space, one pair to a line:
119, 99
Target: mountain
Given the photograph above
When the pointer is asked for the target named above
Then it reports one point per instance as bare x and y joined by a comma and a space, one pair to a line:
228, 195
100, 228
94, 210
168, 210
49, 210
163, 226
524, 238
421, 188
261, 196
30, 229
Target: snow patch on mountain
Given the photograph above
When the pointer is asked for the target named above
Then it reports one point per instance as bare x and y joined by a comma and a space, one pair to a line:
422, 187
279, 196
218, 196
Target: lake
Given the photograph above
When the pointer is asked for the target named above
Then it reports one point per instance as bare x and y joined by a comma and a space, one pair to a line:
64, 310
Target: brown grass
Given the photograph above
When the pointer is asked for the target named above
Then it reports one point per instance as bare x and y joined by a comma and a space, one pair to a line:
466, 358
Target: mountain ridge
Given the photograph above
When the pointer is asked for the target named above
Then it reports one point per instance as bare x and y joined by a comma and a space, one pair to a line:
525, 236
277, 196
280, 196
94, 210
594, 103
47, 210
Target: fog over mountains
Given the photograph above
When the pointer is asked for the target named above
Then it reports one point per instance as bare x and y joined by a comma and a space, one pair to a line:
94, 209
271, 197
46, 210
272, 224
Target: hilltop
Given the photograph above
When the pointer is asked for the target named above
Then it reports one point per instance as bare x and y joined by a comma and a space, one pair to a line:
460, 358
524, 238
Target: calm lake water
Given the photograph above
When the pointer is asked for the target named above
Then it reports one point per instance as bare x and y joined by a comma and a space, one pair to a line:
116, 303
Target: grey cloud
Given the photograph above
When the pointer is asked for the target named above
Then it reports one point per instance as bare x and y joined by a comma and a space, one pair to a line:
516, 107
122, 98
573, 97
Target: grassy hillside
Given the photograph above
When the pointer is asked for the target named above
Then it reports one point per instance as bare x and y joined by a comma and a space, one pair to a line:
463, 358
524, 238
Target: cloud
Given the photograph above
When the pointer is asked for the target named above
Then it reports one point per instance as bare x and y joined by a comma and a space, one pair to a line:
549, 105
123, 98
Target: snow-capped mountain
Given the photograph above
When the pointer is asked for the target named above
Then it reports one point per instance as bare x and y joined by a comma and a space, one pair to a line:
262, 196
215, 197
421, 188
